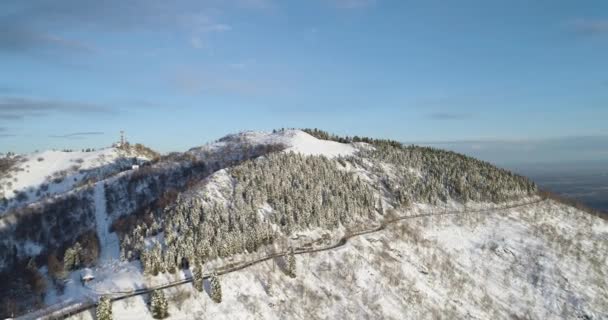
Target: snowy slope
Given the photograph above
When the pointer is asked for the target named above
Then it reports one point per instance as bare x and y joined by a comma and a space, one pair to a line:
46, 173
294, 140
301, 142
491, 265
109, 243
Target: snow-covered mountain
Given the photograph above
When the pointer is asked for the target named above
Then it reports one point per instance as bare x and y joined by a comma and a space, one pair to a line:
295, 226
44, 174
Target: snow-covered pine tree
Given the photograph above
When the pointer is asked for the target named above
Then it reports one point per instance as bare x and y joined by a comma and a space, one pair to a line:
169, 261
216, 289
159, 304
104, 309
197, 280
291, 264
69, 259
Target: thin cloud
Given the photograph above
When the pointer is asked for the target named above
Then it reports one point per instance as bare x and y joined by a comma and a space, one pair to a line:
255, 4
42, 25
78, 135
10, 116
18, 108
3, 133
590, 27
20, 38
449, 116
573, 140
9, 89
353, 4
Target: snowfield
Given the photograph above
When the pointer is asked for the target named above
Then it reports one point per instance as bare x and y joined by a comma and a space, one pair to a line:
295, 140
302, 142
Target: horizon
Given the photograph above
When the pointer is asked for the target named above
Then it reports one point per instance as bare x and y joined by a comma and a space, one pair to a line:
493, 151
516, 82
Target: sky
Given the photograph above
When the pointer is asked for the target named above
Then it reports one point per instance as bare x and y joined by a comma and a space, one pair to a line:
507, 80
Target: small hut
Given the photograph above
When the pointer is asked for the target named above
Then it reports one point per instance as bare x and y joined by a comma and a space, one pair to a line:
86, 276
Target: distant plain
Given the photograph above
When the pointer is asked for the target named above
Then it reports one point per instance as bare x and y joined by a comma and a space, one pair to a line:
585, 181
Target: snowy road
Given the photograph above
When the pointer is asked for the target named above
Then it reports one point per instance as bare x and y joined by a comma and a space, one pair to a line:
108, 240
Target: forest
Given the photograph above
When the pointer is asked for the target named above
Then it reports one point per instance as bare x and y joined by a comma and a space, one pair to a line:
287, 192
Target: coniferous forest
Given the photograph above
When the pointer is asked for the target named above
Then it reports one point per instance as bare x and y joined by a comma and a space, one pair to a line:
287, 192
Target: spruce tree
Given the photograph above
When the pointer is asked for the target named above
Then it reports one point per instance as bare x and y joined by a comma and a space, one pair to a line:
216, 289
104, 309
197, 279
69, 259
159, 304
291, 264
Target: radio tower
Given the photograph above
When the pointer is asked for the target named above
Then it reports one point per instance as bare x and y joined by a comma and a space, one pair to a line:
122, 138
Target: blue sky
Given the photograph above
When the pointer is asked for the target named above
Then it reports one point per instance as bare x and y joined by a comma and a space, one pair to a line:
478, 74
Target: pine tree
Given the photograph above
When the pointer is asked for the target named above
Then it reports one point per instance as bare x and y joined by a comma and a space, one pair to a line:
291, 264
104, 309
216, 289
197, 280
69, 259
159, 304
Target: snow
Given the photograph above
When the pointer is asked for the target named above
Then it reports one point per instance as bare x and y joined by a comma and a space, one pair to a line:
496, 264
49, 173
265, 212
117, 277
301, 142
295, 140
32, 249
87, 274
217, 185
542, 261
109, 242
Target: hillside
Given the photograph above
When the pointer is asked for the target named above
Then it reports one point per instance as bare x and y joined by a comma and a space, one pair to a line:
32, 177
502, 251
542, 261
